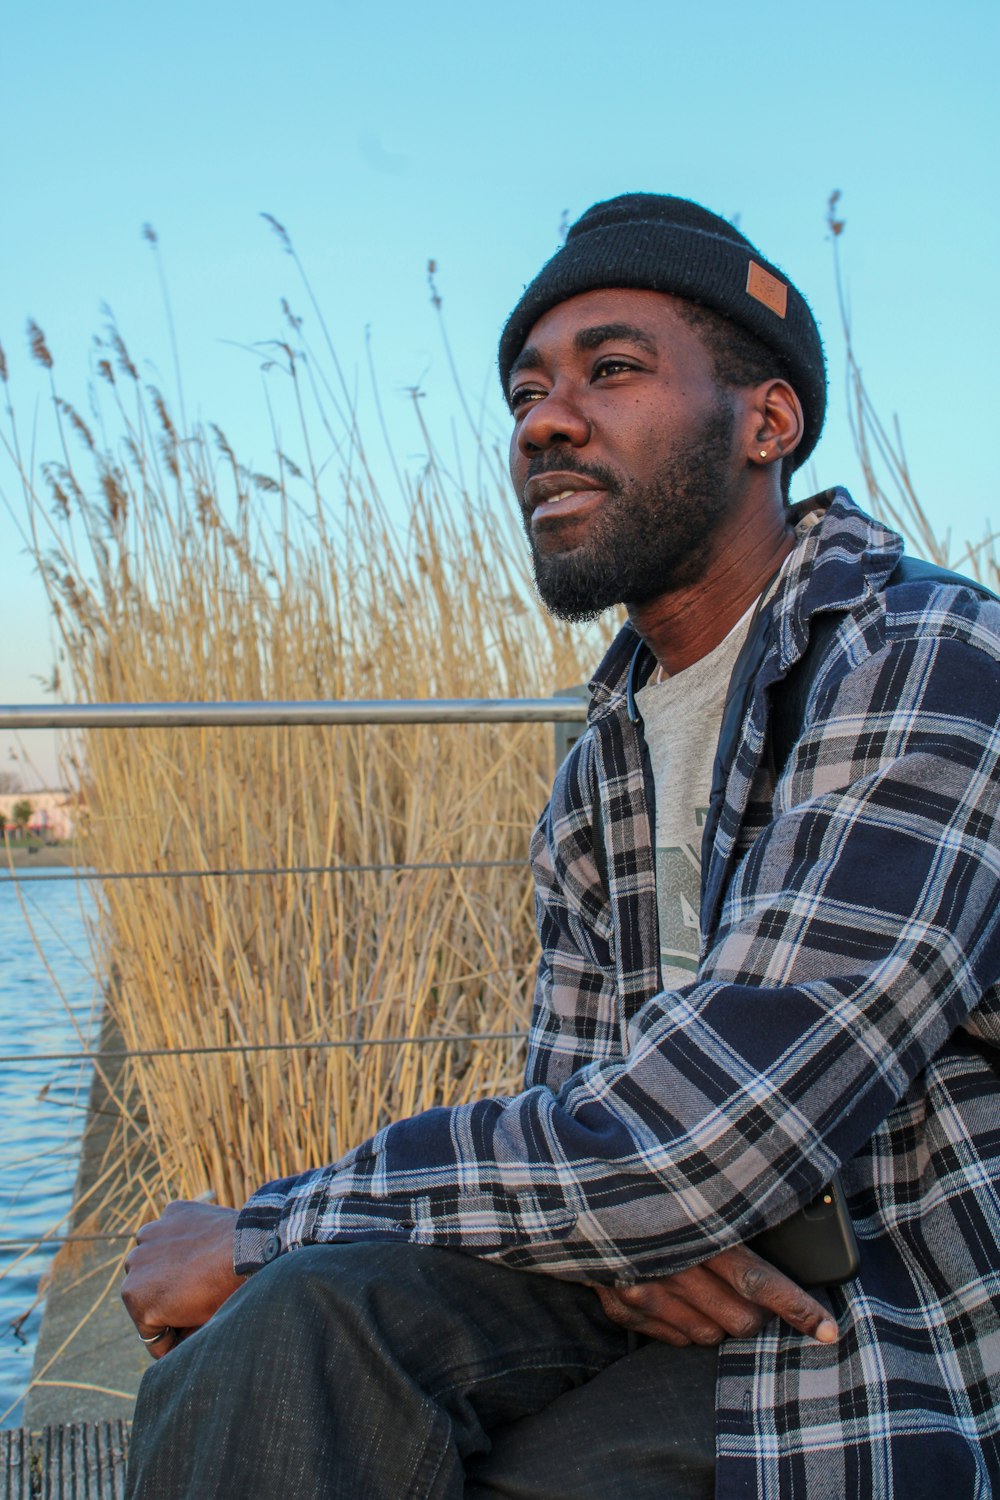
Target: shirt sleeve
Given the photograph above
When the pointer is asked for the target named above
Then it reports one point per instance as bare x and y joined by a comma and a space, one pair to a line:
861, 928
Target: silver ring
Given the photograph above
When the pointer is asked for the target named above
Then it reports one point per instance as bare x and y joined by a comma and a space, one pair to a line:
154, 1338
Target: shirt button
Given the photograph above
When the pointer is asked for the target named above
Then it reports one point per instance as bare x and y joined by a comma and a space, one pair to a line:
271, 1249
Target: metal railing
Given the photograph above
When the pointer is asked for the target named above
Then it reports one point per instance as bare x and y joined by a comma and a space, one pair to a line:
567, 708
566, 711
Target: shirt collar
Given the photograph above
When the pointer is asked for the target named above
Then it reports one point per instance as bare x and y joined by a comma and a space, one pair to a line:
835, 539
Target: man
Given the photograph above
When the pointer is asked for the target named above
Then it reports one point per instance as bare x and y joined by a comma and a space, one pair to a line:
685, 1088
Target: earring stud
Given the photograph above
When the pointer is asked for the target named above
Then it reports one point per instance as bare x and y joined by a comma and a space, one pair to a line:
763, 453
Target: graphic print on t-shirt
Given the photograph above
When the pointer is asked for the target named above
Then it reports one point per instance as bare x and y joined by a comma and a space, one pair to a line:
681, 718
678, 893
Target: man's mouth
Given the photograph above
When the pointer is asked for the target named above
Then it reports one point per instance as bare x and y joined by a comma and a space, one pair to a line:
559, 494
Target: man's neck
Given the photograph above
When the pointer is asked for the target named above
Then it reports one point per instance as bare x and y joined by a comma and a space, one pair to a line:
685, 624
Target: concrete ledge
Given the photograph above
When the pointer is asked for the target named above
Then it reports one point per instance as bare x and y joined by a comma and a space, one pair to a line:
88, 1362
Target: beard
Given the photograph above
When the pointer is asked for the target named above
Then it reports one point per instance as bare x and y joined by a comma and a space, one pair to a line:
647, 538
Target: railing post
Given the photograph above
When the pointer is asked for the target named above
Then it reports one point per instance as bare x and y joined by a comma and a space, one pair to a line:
566, 735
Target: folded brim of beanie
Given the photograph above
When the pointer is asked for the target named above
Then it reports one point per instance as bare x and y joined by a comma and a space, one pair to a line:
720, 270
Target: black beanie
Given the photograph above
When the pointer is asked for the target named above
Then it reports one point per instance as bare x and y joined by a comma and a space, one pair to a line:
665, 244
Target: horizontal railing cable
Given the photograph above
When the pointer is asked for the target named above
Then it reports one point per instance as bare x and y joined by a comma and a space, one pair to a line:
259, 870
557, 710
223, 1048
568, 709
42, 1241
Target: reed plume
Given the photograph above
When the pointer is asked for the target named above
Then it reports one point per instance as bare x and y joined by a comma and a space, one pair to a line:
176, 572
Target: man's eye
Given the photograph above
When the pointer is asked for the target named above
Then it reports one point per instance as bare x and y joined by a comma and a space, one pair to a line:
612, 366
523, 395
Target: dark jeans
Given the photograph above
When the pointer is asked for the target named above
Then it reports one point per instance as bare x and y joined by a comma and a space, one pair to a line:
392, 1372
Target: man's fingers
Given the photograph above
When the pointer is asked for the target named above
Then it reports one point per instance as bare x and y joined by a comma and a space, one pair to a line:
626, 1317
761, 1283
735, 1293
658, 1307
649, 1309
141, 1304
158, 1341
710, 1297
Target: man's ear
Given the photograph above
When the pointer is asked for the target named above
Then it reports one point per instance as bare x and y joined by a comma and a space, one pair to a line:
775, 422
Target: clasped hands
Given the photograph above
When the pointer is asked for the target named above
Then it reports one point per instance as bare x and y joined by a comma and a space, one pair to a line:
181, 1271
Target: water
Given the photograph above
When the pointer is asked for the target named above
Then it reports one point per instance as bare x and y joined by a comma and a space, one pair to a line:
42, 1104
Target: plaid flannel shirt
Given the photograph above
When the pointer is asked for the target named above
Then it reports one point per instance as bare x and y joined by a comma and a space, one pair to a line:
845, 1014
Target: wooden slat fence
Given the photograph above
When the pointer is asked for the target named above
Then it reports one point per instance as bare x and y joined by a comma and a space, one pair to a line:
84, 1461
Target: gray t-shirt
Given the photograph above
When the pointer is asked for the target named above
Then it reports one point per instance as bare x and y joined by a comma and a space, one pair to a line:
682, 717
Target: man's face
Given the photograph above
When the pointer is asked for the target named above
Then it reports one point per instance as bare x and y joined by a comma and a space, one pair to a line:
623, 451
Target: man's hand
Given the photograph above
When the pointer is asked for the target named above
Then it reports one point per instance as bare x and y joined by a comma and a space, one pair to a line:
180, 1272
735, 1293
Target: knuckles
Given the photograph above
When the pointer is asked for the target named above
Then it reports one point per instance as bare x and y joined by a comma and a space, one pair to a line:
756, 1283
762, 1286
638, 1296
801, 1313
617, 1312
747, 1324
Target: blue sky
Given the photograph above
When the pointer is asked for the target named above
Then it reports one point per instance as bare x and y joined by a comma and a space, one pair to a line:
385, 135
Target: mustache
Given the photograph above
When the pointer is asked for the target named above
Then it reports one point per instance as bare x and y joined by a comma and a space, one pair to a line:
565, 462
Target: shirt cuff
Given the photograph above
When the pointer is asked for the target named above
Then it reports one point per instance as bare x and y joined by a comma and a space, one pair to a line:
257, 1239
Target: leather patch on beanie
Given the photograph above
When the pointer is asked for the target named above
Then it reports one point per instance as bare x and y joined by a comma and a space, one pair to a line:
767, 289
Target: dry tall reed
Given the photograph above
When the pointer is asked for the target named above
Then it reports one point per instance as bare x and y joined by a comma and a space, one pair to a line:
892, 492
174, 573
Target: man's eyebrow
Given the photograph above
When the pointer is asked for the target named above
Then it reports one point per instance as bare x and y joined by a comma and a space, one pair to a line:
603, 333
590, 338
528, 359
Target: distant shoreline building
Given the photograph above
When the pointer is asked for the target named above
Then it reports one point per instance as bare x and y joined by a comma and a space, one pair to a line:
54, 812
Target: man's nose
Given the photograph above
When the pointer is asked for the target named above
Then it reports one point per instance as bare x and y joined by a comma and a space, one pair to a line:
552, 420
